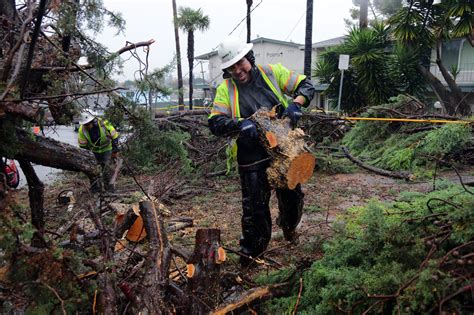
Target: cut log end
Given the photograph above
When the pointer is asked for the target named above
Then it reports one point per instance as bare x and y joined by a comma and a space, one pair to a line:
272, 139
137, 232
221, 255
301, 169
191, 269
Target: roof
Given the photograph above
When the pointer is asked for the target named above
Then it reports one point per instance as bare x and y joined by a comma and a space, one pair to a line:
206, 56
274, 41
329, 42
259, 40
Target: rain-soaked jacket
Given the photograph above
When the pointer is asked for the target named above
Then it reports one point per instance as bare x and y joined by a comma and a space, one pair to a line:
104, 138
267, 88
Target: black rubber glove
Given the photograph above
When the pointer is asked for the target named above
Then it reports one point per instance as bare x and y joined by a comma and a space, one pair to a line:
293, 112
248, 129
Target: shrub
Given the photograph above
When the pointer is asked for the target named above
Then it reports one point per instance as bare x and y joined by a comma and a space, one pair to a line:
388, 146
409, 255
150, 148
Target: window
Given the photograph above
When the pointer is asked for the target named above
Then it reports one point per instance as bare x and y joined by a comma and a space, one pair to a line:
467, 55
457, 52
450, 53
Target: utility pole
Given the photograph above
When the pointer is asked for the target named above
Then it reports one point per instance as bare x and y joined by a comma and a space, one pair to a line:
203, 81
308, 39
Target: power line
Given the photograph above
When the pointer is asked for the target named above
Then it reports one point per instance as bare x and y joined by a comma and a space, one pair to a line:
245, 17
292, 30
297, 23
238, 24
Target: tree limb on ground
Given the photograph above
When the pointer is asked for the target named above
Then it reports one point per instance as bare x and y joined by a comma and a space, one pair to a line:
182, 113
253, 295
158, 260
400, 175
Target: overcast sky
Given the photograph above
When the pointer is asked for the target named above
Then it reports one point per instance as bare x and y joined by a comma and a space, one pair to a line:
275, 19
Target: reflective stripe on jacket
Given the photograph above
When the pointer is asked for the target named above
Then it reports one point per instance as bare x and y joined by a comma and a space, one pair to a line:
278, 78
107, 133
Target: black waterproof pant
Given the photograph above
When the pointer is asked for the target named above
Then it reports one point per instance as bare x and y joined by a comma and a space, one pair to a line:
256, 219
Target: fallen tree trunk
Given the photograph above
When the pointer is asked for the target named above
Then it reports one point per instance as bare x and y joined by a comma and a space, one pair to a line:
400, 175
291, 163
52, 153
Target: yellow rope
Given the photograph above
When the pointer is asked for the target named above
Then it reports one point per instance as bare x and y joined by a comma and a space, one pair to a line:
177, 106
433, 121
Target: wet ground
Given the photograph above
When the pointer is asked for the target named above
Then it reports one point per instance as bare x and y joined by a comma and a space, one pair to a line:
325, 197
61, 133
216, 203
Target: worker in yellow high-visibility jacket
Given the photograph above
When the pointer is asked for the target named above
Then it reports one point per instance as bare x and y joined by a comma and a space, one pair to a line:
246, 88
101, 138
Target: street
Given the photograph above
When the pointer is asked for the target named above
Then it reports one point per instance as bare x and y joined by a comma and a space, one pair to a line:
47, 174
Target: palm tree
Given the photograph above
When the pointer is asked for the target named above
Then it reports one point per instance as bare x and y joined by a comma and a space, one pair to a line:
190, 20
308, 38
423, 25
178, 58
364, 9
249, 6
369, 80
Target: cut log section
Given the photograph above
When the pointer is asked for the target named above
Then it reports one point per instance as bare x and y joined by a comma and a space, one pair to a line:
291, 164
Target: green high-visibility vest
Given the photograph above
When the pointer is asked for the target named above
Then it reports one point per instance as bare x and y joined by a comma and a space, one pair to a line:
278, 78
107, 133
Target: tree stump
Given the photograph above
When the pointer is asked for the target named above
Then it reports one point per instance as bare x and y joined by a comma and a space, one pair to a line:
203, 270
292, 163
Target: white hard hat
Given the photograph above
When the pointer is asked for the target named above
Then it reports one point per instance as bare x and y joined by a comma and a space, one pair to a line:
231, 50
87, 117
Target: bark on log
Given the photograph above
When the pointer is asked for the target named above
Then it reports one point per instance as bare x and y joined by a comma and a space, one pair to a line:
252, 296
291, 164
3, 189
108, 296
203, 270
52, 153
178, 226
400, 175
26, 110
36, 198
158, 259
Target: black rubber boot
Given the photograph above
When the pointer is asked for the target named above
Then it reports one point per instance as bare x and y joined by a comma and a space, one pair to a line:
290, 206
256, 220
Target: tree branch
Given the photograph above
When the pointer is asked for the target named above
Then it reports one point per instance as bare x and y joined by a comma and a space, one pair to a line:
133, 46
401, 175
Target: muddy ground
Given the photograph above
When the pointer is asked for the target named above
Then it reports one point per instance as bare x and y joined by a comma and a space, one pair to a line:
216, 203
218, 206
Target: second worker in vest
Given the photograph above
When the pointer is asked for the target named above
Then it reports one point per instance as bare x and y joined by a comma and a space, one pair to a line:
101, 138
246, 88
